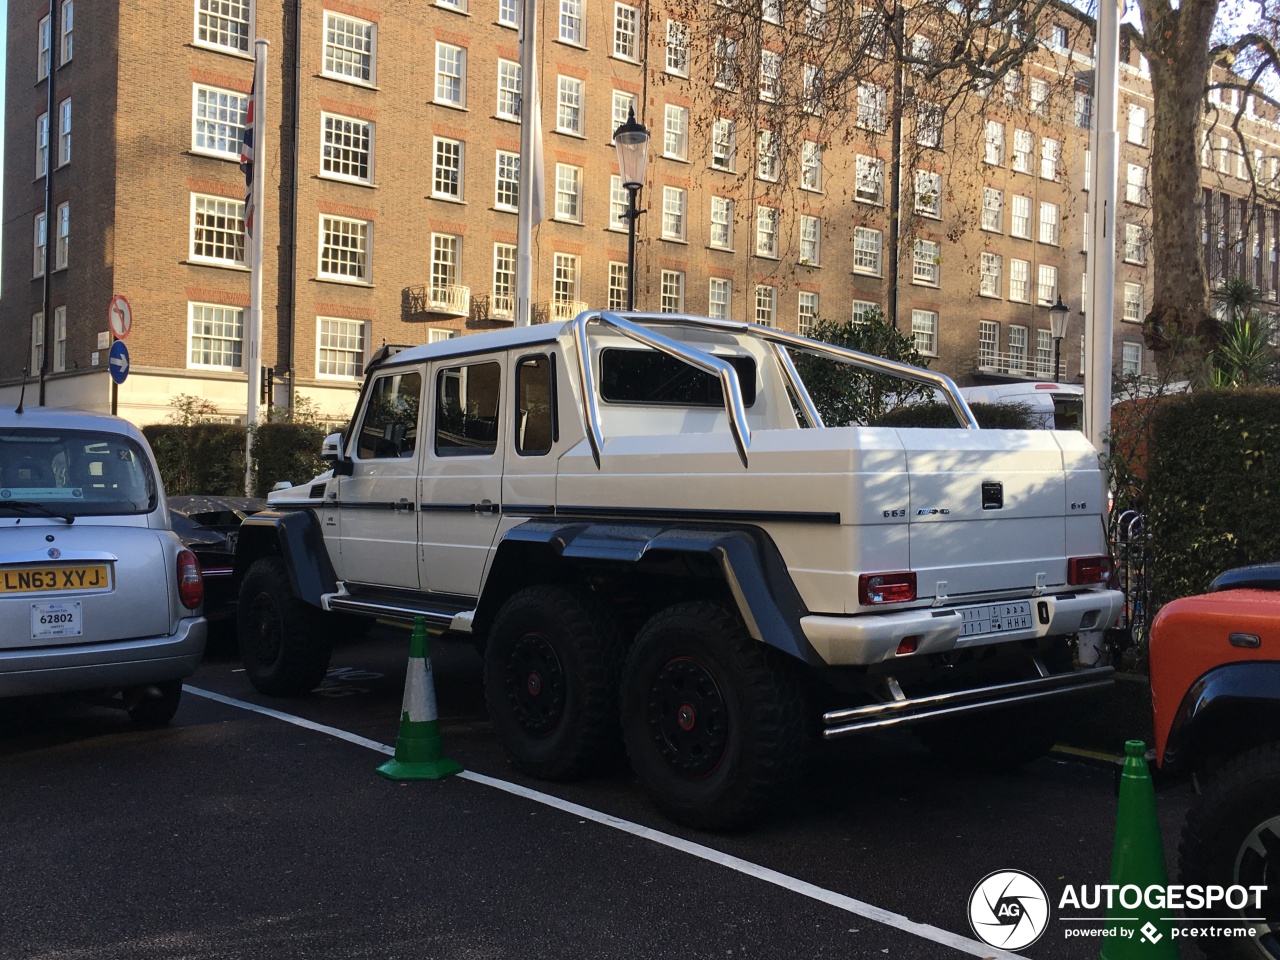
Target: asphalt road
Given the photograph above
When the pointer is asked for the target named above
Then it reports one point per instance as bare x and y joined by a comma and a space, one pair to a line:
234, 834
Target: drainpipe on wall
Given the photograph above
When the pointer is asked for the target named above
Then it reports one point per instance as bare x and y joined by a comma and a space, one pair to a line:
293, 202
49, 226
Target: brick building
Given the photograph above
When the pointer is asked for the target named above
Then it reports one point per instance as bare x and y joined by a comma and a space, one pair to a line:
392, 184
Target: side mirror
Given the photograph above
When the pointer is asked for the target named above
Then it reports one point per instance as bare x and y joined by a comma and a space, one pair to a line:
331, 449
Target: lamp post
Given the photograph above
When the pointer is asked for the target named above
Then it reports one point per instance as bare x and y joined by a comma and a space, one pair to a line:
1058, 314
632, 143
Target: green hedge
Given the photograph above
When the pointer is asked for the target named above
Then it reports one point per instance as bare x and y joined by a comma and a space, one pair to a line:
990, 416
1213, 487
208, 458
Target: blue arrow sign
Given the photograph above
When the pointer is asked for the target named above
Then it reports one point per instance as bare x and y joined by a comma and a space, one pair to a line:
118, 361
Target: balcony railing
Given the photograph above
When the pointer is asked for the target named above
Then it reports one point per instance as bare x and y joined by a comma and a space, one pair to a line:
448, 300
1016, 364
555, 311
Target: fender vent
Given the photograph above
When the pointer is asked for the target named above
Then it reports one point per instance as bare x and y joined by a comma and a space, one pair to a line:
316, 492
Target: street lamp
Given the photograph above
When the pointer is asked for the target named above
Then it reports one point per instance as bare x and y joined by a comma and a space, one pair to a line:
632, 143
1058, 314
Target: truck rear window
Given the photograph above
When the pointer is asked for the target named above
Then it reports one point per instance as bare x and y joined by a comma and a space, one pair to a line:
647, 376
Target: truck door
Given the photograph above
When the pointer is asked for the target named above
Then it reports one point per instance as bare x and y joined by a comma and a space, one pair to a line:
460, 500
377, 503
529, 477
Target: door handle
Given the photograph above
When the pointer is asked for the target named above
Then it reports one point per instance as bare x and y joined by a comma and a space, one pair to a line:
402, 505
487, 506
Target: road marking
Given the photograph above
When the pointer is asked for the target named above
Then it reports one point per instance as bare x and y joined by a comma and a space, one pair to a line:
805, 889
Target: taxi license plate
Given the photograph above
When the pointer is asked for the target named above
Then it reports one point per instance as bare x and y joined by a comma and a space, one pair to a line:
59, 618
995, 618
49, 579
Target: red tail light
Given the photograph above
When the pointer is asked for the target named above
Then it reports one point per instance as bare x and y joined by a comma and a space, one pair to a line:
874, 588
190, 583
1085, 570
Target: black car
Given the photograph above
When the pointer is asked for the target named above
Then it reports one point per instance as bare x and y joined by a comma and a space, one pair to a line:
208, 527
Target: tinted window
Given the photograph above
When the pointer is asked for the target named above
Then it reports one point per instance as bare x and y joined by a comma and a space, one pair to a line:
80, 472
535, 406
467, 410
390, 426
647, 376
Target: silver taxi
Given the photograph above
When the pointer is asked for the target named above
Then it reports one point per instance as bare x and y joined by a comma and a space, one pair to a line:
97, 594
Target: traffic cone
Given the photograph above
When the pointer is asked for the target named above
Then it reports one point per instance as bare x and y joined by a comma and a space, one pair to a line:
419, 754
1137, 859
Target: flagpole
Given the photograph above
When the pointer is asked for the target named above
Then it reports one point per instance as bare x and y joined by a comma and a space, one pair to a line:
529, 169
254, 227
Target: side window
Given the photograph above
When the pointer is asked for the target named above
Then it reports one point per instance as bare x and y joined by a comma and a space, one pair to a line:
389, 429
467, 410
535, 406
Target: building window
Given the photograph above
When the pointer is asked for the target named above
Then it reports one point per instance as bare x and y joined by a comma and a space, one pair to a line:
344, 249
1013, 86
216, 336
673, 209
61, 249
926, 267
626, 31
1135, 190
992, 210
1088, 168
346, 147
509, 13
862, 310
766, 304
42, 49
349, 46
1024, 142
569, 105
813, 90
1134, 305
1135, 243
617, 285
617, 204
929, 124
571, 21
770, 75
504, 280
988, 343
991, 275
218, 121
1039, 103
929, 194
1050, 158
1131, 359
721, 234
1048, 223
766, 231
810, 240
1044, 353
807, 313
678, 48
1047, 285
771, 11
64, 132
438, 335
1020, 280
872, 102
59, 339
451, 75
459, 6
624, 104
719, 298
723, 143
867, 244
924, 330
217, 229
993, 143
223, 23
508, 90
1017, 349
507, 191
339, 348
446, 173
565, 278
672, 291
675, 140
568, 193
1020, 224
37, 342
1058, 36
869, 179
42, 145
767, 156
1137, 125
446, 260
40, 246
725, 60
811, 166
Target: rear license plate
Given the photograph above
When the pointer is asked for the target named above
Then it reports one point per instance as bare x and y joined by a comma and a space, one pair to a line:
995, 618
58, 618
47, 579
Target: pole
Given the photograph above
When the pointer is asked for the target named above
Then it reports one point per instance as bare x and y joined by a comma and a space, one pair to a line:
1100, 323
1057, 359
632, 214
253, 340
50, 228
528, 169
895, 169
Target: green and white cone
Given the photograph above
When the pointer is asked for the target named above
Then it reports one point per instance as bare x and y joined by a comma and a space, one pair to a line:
419, 752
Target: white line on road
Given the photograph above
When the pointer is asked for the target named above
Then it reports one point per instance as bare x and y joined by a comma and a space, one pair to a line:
838, 900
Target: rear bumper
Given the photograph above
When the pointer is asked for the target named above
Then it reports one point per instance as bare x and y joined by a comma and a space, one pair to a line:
874, 637
95, 666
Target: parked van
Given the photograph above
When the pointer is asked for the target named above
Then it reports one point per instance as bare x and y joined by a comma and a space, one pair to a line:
1055, 406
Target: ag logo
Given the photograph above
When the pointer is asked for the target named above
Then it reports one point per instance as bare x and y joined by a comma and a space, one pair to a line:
1008, 909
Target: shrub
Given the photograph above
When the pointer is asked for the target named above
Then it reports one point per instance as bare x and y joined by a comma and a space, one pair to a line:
199, 457
990, 416
286, 451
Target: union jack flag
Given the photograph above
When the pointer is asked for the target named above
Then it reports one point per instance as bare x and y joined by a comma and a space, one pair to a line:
246, 164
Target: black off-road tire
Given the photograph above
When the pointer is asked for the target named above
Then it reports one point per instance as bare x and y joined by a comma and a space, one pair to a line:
713, 720
552, 663
285, 642
993, 741
1232, 836
148, 711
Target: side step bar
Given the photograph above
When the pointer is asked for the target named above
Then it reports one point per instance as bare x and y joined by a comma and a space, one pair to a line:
391, 611
904, 710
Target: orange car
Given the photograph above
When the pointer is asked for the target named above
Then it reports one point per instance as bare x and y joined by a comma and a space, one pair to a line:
1215, 690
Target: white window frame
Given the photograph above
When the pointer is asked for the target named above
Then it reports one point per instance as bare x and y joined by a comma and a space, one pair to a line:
860, 310
217, 116
565, 277
624, 104
362, 232
928, 125
674, 209
671, 291
1019, 280
991, 275
62, 238
350, 63
508, 161
719, 298
227, 208
1135, 243
42, 145
1046, 285
766, 231
450, 75
342, 331
766, 304
924, 331
806, 312
724, 144
509, 13
1050, 223
928, 194
39, 246
445, 264
1050, 159
767, 156
1135, 190
720, 234
626, 40
926, 267
992, 210
868, 261
237, 31
65, 33
618, 203
813, 90
869, 180
810, 240
569, 105
235, 315
988, 344
568, 193
770, 84
59, 339
573, 23
510, 89
37, 342
340, 138
442, 149
993, 143
811, 166
1134, 304
725, 59
675, 132
64, 132
1136, 131
872, 101
1020, 217
1017, 340
1130, 359
503, 303
677, 58
1039, 97
617, 285
1024, 146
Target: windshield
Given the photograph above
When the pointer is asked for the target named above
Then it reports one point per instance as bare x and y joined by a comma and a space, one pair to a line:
82, 473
